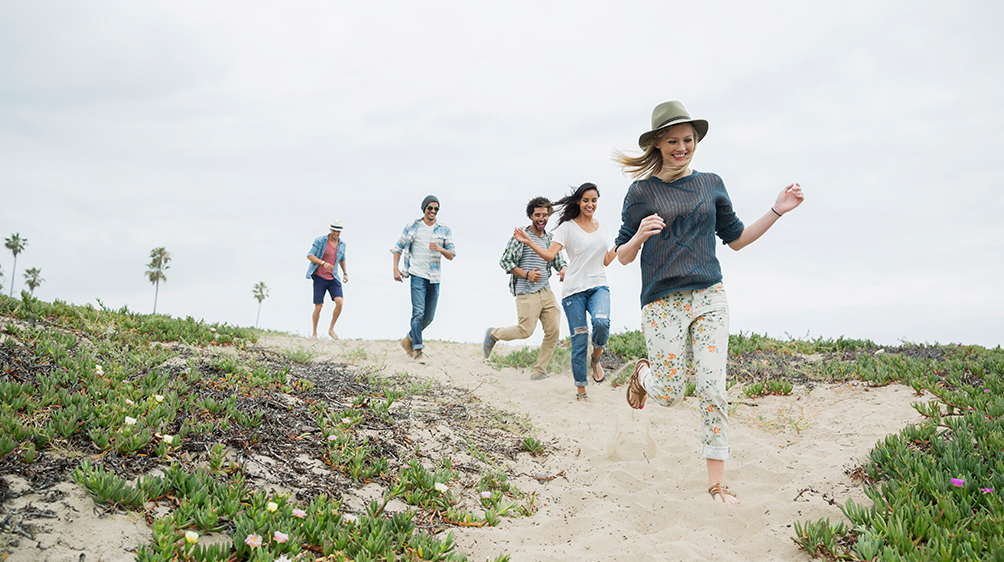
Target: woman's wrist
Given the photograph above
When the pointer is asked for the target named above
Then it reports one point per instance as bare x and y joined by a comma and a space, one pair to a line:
775, 211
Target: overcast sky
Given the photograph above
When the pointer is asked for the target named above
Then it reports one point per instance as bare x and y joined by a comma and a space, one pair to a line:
232, 133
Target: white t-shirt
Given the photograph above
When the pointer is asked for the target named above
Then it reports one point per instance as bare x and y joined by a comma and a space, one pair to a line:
585, 253
421, 255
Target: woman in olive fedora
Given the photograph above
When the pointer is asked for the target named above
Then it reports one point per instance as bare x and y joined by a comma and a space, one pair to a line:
672, 214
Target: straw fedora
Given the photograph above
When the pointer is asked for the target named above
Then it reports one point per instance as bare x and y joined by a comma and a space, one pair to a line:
668, 114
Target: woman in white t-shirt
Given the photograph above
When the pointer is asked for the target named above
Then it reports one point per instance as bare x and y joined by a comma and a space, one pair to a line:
585, 289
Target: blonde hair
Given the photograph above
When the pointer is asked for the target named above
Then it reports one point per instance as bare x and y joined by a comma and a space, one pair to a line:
650, 162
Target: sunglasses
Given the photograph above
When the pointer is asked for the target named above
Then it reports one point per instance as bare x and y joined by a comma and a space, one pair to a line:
431, 208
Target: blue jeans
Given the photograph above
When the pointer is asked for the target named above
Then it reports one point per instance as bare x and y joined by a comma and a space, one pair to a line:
596, 301
424, 296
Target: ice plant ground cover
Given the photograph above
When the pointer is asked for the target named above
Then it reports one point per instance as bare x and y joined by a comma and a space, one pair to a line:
153, 414
207, 410
935, 486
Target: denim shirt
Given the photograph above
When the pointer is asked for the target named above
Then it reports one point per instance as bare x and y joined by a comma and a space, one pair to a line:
317, 250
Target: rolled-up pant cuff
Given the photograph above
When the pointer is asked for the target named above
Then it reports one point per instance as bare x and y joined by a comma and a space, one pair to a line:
715, 453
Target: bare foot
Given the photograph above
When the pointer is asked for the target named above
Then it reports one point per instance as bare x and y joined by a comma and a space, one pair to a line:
331, 332
314, 337
721, 493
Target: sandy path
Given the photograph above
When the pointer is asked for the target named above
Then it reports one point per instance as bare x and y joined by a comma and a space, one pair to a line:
634, 485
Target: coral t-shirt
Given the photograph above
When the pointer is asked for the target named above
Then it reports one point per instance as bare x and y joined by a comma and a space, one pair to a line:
330, 255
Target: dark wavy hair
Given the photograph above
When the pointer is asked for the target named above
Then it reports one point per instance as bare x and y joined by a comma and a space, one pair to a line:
538, 202
569, 204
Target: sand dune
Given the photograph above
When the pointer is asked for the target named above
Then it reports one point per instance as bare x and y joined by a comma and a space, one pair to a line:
633, 484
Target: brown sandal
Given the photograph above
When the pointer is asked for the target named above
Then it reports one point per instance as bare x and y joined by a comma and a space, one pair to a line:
635, 388
722, 490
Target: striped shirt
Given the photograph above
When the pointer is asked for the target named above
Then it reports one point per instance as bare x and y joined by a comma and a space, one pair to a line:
514, 251
530, 261
682, 257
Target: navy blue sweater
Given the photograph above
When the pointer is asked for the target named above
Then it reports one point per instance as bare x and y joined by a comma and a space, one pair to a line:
681, 257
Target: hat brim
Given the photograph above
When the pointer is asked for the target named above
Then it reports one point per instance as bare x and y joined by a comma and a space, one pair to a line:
700, 125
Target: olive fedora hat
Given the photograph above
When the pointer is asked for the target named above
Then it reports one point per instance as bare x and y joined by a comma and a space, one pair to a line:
668, 114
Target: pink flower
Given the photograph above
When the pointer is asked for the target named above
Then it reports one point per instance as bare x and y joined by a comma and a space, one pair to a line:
958, 482
986, 390
254, 541
486, 495
299, 513
280, 537
331, 438
987, 490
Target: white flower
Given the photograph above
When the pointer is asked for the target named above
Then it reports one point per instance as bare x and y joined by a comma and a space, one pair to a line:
159, 397
346, 421
130, 402
442, 488
169, 439
350, 518
130, 421
192, 537
331, 438
212, 329
282, 558
272, 506
486, 495
280, 537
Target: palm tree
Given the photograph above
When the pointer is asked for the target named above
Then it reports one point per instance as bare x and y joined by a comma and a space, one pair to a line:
260, 292
158, 264
16, 245
33, 277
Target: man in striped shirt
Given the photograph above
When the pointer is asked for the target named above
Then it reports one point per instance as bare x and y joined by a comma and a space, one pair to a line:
530, 284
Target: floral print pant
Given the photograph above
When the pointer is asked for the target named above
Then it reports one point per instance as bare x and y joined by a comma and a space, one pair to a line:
691, 325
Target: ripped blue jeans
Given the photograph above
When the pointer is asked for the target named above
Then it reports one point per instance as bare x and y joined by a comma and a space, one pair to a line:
596, 301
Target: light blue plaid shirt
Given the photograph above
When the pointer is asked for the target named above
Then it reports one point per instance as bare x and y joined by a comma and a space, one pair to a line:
403, 247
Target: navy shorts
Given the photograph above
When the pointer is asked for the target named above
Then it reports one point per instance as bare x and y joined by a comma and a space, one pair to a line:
331, 286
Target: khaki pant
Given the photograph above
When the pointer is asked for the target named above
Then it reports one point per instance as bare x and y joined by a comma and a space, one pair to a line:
540, 305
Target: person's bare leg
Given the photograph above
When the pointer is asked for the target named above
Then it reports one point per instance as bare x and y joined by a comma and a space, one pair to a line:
316, 317
716, 474
334, 318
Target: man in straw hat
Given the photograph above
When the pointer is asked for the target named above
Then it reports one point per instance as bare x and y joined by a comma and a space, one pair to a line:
324, 254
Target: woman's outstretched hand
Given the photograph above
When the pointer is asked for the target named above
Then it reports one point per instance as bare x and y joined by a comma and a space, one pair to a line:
521, 236
789, 198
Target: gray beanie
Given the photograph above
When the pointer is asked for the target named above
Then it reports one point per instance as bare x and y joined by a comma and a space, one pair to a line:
429, 199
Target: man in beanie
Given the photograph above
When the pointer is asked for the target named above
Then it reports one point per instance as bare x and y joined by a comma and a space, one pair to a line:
423, 244
324, 254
